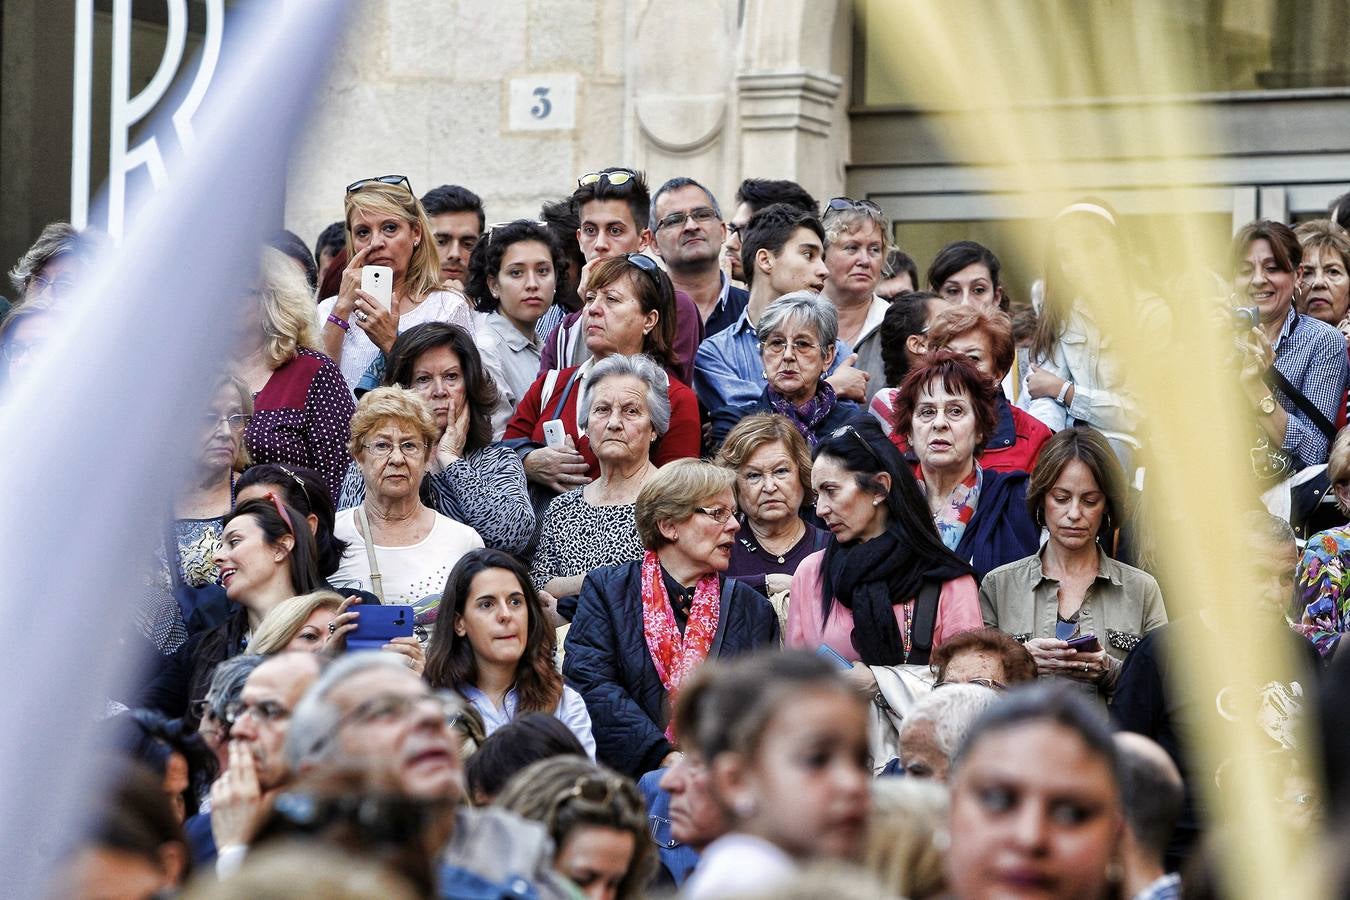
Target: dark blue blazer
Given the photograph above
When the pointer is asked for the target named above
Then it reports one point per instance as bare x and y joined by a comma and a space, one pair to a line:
608, 664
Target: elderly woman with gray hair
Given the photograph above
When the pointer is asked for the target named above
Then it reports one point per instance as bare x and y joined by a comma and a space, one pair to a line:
797, 335
624, 408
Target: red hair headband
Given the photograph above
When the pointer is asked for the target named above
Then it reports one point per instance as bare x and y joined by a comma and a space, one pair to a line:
281, 510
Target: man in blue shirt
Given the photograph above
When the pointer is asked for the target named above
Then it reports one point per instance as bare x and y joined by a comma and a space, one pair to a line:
688, 232
782, 251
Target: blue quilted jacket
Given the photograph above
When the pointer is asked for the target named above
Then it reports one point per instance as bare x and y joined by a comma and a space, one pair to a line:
608, 663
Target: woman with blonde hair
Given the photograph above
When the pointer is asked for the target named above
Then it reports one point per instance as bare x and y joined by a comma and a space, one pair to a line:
905, 836
386, 226
314, 623
301, 404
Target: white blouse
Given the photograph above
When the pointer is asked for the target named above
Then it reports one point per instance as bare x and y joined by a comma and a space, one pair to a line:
359, 351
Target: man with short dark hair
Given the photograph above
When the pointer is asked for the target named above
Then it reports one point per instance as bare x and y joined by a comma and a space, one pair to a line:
756, 194
330, 243
613, 207
783, 252
899, 275
688, 231
457, 222
1339, 210
1151, 793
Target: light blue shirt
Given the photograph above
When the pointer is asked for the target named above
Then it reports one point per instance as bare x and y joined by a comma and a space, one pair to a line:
728, 370
571, 712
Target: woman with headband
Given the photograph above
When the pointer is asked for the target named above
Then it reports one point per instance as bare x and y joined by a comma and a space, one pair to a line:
1074, 377
266, 555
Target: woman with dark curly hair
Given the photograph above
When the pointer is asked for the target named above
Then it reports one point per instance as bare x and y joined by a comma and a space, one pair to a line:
513, 277
469, 478
597, 820
498, 647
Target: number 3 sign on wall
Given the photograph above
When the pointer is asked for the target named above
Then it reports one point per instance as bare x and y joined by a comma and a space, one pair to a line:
543, 103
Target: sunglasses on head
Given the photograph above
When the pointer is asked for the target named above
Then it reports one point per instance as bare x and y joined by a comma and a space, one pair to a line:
615, 177
381, 179
839, 204
845, 430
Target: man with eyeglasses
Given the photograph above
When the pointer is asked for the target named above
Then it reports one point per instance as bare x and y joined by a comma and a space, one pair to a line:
613, 207
259, 723
687, 227
372, 713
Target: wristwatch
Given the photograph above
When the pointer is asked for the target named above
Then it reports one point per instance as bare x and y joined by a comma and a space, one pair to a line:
1267, 405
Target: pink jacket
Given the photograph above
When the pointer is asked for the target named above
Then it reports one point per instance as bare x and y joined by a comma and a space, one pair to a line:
958, 611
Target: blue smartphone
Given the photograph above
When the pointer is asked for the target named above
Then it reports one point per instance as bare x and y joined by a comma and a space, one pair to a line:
377, 624
828, 654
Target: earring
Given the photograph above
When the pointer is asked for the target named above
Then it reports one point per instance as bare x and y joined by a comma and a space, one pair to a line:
876, 502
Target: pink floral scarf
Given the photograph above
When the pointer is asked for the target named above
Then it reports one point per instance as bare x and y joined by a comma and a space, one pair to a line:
674, 655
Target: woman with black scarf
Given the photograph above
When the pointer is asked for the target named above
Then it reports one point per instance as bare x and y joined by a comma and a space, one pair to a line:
885, 591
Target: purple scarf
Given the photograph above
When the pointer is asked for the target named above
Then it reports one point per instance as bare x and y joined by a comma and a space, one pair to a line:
810, 414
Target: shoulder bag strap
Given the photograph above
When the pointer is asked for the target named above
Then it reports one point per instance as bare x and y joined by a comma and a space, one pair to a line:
1275, 379
924, 622
363, 527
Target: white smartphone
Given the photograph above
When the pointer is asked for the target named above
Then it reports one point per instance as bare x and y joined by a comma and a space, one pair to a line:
378, 282
554, 435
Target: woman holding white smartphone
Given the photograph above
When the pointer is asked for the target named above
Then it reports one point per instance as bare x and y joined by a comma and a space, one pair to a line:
392, 281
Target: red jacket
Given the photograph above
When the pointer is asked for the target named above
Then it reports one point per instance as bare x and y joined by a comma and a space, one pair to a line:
1013, 447
681, 441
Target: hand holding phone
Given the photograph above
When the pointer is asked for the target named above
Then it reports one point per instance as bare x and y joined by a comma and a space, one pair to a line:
554, 433
1086, 643
378, 625
378, 282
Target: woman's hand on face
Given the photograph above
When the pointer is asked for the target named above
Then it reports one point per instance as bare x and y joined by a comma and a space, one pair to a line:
410, 648
550, 605
343, 624
559, 468
380, 323
849, 383
1041, 383
350, 285
450, 447
861, 677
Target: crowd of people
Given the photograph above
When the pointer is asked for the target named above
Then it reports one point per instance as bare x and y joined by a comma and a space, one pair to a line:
642, 550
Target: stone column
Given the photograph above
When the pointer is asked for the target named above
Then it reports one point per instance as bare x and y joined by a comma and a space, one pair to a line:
792, 92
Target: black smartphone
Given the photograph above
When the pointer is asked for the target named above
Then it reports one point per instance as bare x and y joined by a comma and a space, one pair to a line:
1086, 643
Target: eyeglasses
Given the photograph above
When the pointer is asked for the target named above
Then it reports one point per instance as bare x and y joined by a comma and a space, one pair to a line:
733, 228
200, 708
777, 346
718, 514
839, 204
382, 179
389, 708
982, 682
17, 350
236, 422
646, 264
382, 449
615, 177
265, 712
54, 287
701, 216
